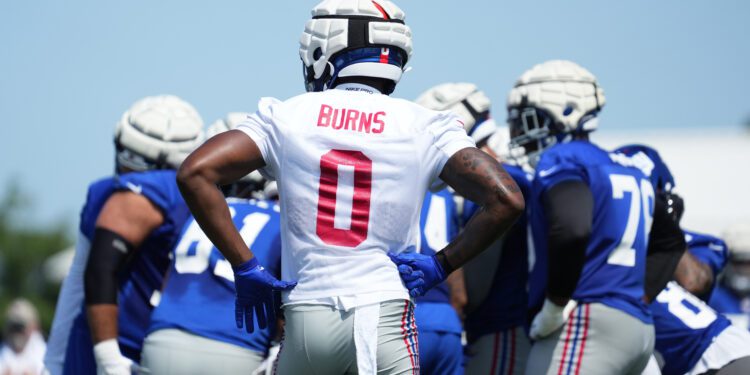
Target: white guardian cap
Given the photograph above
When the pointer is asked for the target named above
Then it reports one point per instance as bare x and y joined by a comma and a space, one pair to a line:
552, 102
466, 101
346, 38
157, 132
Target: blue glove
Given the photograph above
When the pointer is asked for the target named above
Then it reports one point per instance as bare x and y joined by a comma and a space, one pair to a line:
255, 287
419, 272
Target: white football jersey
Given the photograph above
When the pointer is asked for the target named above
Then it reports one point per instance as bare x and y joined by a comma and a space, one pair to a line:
352, 167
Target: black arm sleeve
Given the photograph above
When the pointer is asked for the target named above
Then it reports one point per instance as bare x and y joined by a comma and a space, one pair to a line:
569, 209
109, 251
666, 244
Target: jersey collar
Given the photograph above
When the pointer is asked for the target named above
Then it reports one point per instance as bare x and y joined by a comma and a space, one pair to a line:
351, 86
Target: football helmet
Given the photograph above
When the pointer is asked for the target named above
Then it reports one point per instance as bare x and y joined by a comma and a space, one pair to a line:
466, 101
346, 38
737, 273
252, 184
157, 132
551, 103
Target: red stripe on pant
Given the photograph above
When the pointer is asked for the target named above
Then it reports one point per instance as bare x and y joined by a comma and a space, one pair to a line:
512, 359
404, 334
565, 348
583, 340
414, 334
494, 353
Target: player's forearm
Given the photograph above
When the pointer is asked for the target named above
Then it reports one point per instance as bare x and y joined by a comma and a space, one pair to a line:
102, 320
108, 254
480, 178
223, 159
207, 204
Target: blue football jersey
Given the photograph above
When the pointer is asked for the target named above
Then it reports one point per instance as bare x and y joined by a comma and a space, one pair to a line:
438, 222
734, 307
615, 260
141, 279
505, 305
199, 294
685, 327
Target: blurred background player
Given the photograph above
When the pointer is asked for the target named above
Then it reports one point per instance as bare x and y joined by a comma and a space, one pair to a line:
23, 345
496, 280
497, 313
732, 295
350, 311
438, 323
189, 332
469, 103
691, 338
590, 219
128, 224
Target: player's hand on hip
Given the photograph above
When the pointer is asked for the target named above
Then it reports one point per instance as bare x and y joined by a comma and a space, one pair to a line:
551, 318
255, 287
419, 272
110, 361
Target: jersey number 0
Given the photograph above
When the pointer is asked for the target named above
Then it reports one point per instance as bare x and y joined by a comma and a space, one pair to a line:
325, 228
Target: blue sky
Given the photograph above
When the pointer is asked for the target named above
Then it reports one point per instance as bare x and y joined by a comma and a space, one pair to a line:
69, 69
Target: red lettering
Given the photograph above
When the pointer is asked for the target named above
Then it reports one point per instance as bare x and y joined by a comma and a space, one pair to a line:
351, 118
365, 119
378, 121
340, 124
335, 116
324, 117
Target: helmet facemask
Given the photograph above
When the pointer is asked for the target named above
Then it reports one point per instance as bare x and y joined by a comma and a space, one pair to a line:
531, 130
130, 161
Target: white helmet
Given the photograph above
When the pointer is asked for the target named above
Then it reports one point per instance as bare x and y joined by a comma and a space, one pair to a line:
231, 121
348, 38
251, 184
737, 237
157, 132
466, 101
551, 103
737, 277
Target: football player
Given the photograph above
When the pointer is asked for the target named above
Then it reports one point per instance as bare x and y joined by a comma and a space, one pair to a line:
590, 218
128, 224
352, 166
495, 327
438, 323
187, 334
732, 296
495, 280
691, 338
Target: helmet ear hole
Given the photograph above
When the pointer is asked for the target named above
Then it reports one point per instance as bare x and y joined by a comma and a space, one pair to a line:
317, 53
569, 108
